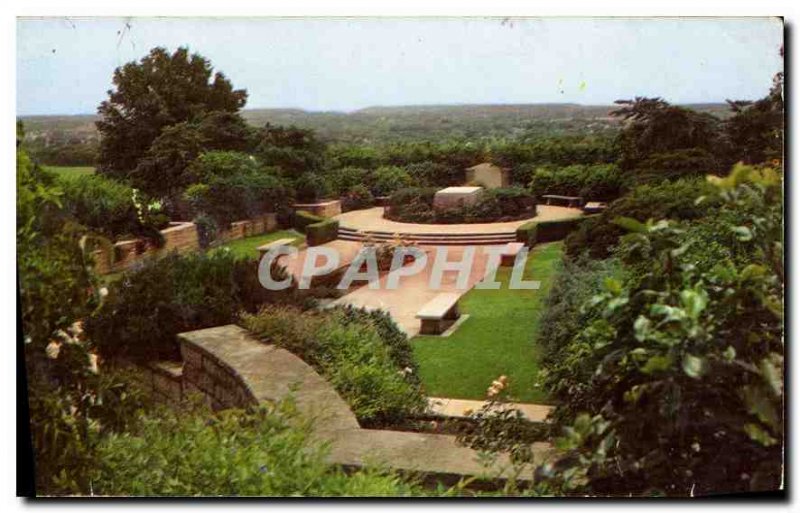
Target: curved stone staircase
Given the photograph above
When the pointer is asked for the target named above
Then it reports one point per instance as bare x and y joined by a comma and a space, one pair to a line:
430, 239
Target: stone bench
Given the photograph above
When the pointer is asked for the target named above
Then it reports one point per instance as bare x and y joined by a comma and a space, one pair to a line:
594, 207
509, 254
439, 313
571, 201
263, 249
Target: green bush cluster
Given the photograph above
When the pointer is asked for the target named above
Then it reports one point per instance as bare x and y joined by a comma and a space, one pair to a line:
598, 182
266, 452
72, 400
415, 205
356, 353
302, 219
312, 187
665, 200
357, 197
322, 232
676, 354
232, 186
148, 306
112, 209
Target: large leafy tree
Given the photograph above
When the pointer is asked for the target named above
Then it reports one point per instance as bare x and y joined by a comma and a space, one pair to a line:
654, 126
755, 131
160, 90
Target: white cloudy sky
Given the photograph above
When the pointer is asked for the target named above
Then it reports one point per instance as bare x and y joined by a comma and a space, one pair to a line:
64, 66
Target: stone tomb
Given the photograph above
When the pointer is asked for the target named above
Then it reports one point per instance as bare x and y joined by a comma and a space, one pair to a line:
455, 197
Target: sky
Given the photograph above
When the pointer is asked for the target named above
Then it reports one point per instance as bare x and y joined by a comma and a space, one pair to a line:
65, 65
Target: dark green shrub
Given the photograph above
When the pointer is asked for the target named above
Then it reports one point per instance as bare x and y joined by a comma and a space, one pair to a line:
266, 452
526, 233
513, 201
345, 179
238, 196
666, 200
357, 197
207, 229
217, 164
312, 187
147, 307
322, 232
111, 208
72, 400
430, 173
673, 165
396, 340
599, 182
548, 231
388, 179
683, 359
415, 205
352, 355
301, 219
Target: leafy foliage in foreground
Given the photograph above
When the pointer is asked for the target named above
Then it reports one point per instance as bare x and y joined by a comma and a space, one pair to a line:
266, 452
72, 403
680, 366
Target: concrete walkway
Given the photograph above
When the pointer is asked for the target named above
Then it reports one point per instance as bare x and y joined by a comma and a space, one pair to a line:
371, 219
413, 292
460, 408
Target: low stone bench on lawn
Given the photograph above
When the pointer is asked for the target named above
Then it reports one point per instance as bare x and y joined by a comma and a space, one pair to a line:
571, 201
439, 313
262, 250
509, 254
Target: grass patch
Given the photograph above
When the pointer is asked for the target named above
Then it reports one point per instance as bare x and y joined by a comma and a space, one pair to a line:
69, 172
247, 248
498, 338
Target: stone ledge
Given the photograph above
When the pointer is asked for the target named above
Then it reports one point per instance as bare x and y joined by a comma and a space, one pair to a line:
269, 374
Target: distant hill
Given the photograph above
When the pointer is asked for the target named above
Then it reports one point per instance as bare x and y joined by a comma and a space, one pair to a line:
397, 123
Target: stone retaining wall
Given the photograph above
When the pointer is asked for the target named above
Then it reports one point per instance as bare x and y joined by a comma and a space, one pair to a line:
232, 369
328, 208
249, 228
179, 236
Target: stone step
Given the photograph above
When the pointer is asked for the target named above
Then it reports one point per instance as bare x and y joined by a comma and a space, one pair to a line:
454, 235
461, 408
437, 242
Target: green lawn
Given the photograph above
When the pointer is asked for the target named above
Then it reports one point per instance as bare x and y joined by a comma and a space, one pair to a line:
70, 172
247, 247
498, 338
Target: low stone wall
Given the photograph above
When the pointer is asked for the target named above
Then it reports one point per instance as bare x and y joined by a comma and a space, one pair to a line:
180, 236
232, 369
249, 228
322, 209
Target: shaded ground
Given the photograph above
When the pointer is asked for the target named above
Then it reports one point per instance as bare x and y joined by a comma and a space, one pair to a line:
498, 338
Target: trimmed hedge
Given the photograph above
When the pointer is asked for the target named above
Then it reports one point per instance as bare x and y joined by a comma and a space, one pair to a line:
322, 232
302, 219
526, 233
534, 232
548, 231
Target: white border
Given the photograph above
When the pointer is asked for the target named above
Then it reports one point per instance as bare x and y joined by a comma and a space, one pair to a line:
500, 8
